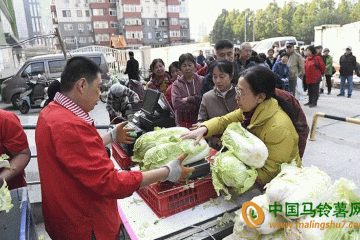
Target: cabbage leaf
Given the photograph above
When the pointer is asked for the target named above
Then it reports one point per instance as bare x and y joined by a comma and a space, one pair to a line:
5, 198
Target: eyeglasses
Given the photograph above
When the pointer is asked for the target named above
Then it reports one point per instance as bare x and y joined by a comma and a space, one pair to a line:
238, 93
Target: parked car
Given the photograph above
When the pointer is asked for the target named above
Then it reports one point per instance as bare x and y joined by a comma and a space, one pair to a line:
48, 66
277, 42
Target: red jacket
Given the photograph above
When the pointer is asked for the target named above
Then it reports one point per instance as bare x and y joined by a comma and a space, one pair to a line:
12, 139
301, 126
79, 184
314, 71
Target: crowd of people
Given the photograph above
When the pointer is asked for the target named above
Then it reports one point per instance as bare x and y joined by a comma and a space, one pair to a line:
79, 183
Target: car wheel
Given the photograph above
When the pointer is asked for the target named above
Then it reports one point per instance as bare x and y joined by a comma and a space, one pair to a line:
16, 101
24, 107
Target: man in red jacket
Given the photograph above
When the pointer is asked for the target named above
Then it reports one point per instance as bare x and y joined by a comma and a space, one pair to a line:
79, 184
13, 142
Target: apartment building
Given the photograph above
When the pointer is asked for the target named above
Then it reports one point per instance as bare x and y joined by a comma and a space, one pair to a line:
75, 23
28, 20
141, 22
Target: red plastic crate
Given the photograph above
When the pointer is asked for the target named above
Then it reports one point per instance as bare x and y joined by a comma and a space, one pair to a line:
121, 157
166, 199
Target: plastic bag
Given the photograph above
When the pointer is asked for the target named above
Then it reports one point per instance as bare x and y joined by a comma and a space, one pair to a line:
299, 89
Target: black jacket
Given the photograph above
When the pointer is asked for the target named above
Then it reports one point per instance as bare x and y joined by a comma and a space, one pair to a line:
132, 69
208, 84
347, 65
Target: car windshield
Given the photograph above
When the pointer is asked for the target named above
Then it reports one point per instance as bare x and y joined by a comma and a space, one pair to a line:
264, 45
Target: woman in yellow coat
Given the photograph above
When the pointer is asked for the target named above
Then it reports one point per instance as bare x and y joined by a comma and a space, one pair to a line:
265, 115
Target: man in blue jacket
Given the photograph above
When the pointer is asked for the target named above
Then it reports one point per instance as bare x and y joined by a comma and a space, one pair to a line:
282, 72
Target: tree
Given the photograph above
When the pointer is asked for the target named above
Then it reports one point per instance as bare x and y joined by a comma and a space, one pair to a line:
260, 21
216, 33
271, 25
285, 18
343, 12
228, 31
355, 14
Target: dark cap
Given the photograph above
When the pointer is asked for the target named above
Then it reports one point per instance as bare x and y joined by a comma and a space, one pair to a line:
289, 45
348, 48
319, 47
326, 50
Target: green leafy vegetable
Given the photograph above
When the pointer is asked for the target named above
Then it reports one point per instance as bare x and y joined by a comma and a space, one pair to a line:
154, 138
246, 146
228, 171
5, 198
163, 153
4, 163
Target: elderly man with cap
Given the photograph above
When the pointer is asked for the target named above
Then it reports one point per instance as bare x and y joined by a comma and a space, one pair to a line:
347, 67
296, 65
328, 68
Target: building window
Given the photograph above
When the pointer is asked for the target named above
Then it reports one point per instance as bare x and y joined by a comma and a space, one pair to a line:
70, 40
101, 24
158, 34
173, 8
101, 37
98, 12
149, 35
79, 13
112, 1
132, 8
87, 13
183, 24
134, 34
148, 22
174, 21
82, 40
113, 24
182, 10
88, 26
132, 21
68, 27
81, 26
163, 23
112, 12
183, 34
90, 39
66, 13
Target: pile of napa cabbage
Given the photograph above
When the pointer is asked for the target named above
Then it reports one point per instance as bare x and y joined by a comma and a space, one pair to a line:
303, 185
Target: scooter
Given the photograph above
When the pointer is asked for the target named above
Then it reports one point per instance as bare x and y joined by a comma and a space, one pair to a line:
27, 99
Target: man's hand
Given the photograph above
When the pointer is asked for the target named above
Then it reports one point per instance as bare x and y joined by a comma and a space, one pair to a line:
178, 173
121, 135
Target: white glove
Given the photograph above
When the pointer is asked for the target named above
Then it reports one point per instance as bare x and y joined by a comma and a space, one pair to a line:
174, 170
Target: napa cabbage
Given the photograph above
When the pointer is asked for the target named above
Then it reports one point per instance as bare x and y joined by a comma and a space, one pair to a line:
245, 145
151, 139
298, 185
163, 153
229, 172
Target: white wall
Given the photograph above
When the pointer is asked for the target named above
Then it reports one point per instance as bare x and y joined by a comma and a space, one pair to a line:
338, 38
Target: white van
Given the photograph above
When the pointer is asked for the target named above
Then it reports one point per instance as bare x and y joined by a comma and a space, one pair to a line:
277, 42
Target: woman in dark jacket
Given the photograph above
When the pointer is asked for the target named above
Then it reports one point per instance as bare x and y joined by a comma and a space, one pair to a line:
185, 94
314, 68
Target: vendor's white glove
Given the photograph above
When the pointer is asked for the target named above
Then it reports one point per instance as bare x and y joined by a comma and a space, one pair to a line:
176, 171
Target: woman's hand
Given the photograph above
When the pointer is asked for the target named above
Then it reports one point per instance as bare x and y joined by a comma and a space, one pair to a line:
196, 134
195, 126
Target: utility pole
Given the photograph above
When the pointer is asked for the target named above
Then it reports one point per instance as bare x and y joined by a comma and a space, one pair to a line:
245, 27
254, 27
60, 41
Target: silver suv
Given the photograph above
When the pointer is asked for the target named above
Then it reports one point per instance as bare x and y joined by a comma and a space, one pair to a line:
48, 66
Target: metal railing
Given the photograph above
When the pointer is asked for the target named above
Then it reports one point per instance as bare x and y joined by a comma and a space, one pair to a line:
324, 115
32, 127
